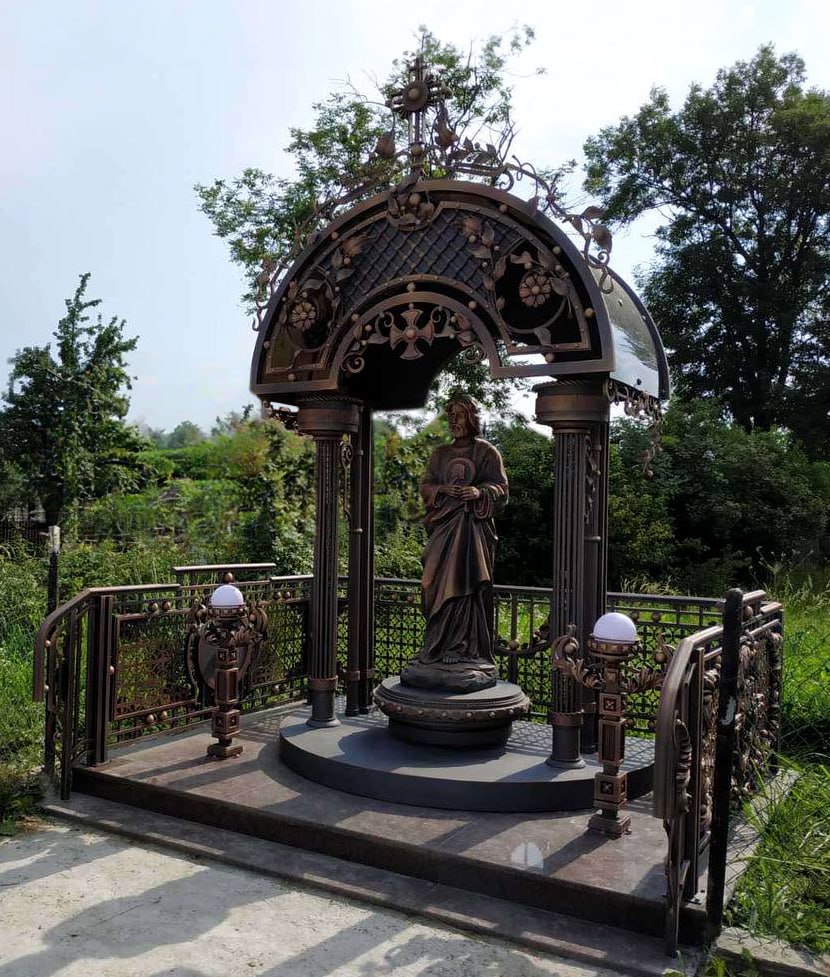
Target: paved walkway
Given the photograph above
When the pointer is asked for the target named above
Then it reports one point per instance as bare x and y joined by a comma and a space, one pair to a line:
77, 903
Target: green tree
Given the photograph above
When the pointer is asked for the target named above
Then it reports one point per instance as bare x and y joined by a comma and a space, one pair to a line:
724, 507
524, 553
233, 421
740, 285
184, 435
63, 421
262, 216
739, 501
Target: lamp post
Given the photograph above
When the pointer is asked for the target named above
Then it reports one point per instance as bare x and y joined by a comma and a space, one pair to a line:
613, 642
611, 645
230, 625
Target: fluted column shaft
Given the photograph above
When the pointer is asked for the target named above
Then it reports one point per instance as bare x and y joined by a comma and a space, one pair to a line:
361, 660
577, 410
326, 421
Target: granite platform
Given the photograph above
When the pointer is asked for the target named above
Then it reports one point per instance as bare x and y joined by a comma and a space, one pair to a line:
359, 756
542, 860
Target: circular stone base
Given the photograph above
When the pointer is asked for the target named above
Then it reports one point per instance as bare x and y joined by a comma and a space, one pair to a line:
360, 757
454, 719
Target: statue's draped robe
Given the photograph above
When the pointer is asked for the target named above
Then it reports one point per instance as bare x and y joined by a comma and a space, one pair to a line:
457, 583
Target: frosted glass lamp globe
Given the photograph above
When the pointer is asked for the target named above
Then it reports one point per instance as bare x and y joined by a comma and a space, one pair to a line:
226, 598
615, 629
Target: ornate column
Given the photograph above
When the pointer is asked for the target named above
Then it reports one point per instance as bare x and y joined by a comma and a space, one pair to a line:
360, 672
578, 411
326, 420
596, 559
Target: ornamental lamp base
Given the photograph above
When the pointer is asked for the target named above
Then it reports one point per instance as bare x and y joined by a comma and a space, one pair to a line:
610, 826
223, 751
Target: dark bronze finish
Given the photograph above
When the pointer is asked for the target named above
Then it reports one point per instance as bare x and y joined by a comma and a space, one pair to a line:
685, 770
327, 421
727, 712
361, 654
463, 487
432, 150
479, 719
596, 559
479, 248
603, 675
151, 682
233, 631
640, 405
450, 694
610, 786
154, 679
578, 412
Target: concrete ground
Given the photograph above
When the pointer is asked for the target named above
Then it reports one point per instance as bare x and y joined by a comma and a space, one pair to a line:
79, 903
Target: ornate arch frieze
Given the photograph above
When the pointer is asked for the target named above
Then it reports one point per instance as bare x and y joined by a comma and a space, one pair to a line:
508, 287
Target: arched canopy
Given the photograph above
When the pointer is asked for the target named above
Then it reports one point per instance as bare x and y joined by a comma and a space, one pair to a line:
395, 287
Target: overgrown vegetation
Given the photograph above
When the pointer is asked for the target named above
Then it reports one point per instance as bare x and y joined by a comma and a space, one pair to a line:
785, 891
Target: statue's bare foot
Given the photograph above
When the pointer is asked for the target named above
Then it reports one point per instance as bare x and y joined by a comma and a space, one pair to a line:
450, 659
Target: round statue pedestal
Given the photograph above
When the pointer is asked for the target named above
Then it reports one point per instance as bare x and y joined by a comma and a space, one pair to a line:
472, 719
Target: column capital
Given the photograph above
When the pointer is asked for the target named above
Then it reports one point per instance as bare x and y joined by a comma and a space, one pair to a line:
328, 417
573, 403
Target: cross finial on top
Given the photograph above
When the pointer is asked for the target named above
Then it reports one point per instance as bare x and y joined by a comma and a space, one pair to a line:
420, 91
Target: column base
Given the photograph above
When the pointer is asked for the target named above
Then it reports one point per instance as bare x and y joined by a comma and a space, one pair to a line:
322, 723
322, 706
612, 827
565, 751
577, 764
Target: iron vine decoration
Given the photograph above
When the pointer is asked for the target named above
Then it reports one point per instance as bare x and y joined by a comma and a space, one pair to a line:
641, 406
590, 672
436, 151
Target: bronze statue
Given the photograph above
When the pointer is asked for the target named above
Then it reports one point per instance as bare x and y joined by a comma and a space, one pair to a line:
463, 487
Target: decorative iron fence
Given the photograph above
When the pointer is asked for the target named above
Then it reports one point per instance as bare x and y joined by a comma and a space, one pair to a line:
118, 663
723, 683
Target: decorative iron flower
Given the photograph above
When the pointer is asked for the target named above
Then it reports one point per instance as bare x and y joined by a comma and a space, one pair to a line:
535, 289
303, 315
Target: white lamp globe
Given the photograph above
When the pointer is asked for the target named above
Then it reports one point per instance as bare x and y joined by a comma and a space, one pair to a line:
226, 597
615, 629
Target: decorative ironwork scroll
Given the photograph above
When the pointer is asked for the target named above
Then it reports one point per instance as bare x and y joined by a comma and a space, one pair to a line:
641, 406
691, 693
433, 149
409, 331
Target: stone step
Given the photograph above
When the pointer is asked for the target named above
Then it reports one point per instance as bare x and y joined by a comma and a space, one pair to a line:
607, 947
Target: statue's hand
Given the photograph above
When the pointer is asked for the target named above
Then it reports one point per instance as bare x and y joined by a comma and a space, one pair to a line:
468, 492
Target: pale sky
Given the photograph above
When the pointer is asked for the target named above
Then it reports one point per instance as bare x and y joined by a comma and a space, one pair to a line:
112, 111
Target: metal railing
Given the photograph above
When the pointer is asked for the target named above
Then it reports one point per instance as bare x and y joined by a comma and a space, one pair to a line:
723, 682
117, 663
114, 664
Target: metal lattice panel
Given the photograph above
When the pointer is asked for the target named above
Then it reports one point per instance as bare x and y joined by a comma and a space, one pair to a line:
152, 677
439, 249
399, 626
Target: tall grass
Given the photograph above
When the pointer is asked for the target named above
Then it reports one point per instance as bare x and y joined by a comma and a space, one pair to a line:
785, 891
22, 603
